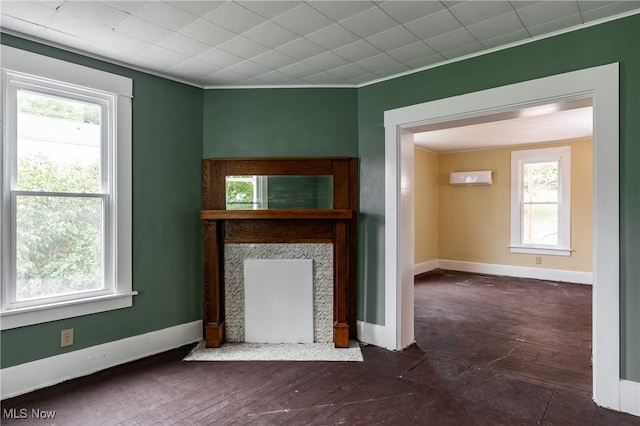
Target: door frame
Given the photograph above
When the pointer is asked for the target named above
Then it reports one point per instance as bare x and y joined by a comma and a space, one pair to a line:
599, 83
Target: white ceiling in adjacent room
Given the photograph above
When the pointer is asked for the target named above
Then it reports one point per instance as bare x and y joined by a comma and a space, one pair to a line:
570, 124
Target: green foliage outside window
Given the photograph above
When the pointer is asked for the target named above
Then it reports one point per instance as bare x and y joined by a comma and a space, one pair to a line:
58, 239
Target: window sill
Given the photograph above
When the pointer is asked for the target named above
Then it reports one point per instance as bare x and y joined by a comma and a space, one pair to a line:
39, 314
540, 250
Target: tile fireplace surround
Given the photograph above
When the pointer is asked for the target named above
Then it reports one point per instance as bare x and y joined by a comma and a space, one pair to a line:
322, 256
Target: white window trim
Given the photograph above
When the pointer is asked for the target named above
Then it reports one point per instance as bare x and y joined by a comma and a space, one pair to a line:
518, 159
19, 61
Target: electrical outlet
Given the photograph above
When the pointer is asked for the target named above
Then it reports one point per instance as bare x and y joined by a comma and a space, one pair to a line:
66, 337
538, 260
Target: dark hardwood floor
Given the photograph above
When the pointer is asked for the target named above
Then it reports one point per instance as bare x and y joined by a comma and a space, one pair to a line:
490, 351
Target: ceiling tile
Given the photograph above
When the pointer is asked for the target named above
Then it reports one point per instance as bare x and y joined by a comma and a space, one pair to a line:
326, 60
249, 68
348, 71
339, 10
506, 39
357, 51
495, 27
300, 49
557, 25
394, 70
332, 37
126, 6
364, 78
472, 12
164, 15
269, 9
303, 20
196, 67
219, 58
234, 17
425, 61
378, 62
207, 32
34, 13
65, 39
451, 40
121, 42
94, 12
369, 22
226, 77
321, 78
413, 52
462, 50
185, 45
270, 34
143, 30
540, 13
242, 47
197, 8
407, 11
298, 70
433, 25
273, 59
594, 10
274, 77
77, 27
392, 38
163, 56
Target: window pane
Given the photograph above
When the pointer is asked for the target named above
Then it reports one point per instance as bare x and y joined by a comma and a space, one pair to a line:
58, 245
540, 182
58, 146
540, 224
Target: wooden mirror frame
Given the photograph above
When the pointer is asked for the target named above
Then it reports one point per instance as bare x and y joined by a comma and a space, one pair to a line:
337, 226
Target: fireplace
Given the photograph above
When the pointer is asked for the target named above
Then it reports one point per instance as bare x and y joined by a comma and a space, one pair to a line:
284, 228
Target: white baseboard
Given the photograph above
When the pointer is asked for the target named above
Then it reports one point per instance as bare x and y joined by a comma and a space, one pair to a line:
421, 268
630, 397
30, 376
373, 334
578, 277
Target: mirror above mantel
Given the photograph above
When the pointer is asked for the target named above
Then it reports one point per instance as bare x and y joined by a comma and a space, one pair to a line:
283, 192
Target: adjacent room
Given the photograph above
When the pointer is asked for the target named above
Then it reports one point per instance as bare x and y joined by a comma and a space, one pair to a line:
447, 188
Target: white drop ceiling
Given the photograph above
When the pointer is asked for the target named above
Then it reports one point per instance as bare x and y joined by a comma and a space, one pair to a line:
294, 43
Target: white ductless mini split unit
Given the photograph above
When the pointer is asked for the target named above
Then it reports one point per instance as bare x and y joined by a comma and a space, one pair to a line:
482, 177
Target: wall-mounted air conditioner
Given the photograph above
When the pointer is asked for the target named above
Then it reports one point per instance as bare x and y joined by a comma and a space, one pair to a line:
483, 177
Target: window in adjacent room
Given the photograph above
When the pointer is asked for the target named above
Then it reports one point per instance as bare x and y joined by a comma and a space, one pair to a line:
541, 201
66, 191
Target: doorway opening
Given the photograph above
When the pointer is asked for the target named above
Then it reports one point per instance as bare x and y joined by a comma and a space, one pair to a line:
600, 84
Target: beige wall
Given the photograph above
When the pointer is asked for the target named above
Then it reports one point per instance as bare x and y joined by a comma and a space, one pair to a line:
474, 221
426, 207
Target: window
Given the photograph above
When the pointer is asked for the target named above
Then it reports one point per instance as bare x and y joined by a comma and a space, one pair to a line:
66, 192
541, 201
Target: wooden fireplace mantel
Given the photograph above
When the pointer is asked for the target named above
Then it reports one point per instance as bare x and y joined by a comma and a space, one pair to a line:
337, 226
275, 214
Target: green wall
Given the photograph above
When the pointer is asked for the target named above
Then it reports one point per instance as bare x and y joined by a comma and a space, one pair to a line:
616, 41
167, 153
280, 123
